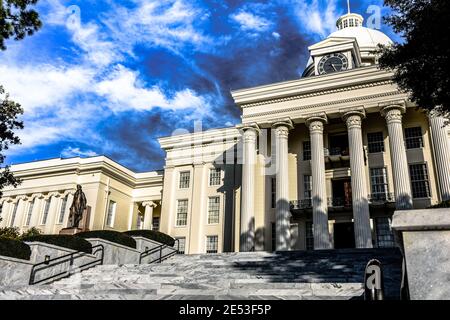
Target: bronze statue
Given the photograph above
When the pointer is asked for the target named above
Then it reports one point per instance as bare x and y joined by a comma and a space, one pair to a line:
77, 208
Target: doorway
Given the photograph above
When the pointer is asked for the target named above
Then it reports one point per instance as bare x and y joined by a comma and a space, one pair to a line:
344, 235
342, 193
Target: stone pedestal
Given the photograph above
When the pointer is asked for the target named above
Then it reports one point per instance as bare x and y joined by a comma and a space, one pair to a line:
71, 231
425, 238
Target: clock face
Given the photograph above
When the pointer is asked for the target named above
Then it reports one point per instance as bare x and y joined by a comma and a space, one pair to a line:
333, 62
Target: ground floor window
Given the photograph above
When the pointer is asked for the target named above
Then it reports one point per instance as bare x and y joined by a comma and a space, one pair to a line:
212, 244
385, 237
309, 236
155, 223
182, 245
274, 231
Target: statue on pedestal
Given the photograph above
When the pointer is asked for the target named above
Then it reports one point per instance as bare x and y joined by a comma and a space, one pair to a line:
79, 204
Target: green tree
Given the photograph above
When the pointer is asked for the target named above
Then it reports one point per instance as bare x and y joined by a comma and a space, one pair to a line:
421, 62
17, 20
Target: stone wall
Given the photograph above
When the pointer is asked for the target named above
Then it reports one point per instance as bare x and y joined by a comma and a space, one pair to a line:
14, 272
425, 238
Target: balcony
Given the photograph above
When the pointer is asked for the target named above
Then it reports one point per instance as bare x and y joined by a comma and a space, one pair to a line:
382, 200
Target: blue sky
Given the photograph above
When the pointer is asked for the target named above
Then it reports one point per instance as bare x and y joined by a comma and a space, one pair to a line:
109, 77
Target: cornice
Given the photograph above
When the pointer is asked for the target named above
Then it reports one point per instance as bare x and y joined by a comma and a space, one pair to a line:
324, 104
319, 93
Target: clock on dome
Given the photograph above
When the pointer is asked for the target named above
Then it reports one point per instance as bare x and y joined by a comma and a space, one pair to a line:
333, 62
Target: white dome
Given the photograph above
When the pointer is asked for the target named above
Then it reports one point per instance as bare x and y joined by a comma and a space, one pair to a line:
368, 39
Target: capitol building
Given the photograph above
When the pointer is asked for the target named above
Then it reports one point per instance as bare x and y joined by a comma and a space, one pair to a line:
319, 162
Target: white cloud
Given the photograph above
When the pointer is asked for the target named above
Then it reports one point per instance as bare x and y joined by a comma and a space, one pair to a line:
251, 22
315, 18
70, 152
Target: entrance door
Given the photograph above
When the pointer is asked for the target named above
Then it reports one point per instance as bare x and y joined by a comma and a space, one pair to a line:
344, 235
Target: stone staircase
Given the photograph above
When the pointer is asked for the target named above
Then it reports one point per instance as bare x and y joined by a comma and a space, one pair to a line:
295, 275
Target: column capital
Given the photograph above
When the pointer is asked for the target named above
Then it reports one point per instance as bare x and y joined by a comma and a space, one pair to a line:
149, 204
252, 127
316, 122
283, 123
393, 111
353, 118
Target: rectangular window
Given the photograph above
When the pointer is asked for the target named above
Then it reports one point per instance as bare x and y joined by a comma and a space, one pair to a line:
385, 237
375, 142
111, 214
413, 138
182, 245
155, 223
213, 210
215, 176
379, 183
212, 244
30, 212
13, 218
185, 178
62, 212
419, 181
46, 209
306, 150
307, 187
139, 221
274, 239
309, 235
182, 212
273, 191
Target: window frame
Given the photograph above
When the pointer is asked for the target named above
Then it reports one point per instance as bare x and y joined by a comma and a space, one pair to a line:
409, 139
177, 213
388, 235
112, 216
427, 185
208, 218
215, 242
307, 152
45, 212
273, 192
369, 143
188, 181
386, 182
184, 244
63, 209
215, 170
30, 210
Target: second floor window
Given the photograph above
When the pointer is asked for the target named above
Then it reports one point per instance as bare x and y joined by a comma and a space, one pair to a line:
307, 187
413, 138
111, 214
306, 150
30, 212
273, 190
14, 214
419, 181
379, 183
46, 209
213, 210
63, 210
182, 212
185, 178
215, 176
375, 142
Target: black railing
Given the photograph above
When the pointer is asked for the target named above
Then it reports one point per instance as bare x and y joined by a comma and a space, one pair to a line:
58, 261
382, 198
159, 249
338, 202
338, 151
301, 204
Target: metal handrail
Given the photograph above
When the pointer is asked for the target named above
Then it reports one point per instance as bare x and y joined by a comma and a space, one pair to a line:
63, 259
160, 249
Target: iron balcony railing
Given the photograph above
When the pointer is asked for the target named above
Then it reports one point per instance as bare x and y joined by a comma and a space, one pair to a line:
339, 202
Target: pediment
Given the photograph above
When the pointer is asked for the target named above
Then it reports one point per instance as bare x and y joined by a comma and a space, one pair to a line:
334, 41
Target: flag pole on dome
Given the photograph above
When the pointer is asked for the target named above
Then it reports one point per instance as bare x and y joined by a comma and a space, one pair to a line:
348, 6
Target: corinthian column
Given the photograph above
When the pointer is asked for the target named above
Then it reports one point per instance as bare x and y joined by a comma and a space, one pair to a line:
148, 217
441, 153
283, 214
319, 192
361, 214
403, 195
247, 241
